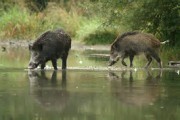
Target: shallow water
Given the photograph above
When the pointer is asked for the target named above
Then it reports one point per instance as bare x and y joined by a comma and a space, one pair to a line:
98, 93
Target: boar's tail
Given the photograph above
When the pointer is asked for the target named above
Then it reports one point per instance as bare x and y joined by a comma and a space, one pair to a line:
164, 42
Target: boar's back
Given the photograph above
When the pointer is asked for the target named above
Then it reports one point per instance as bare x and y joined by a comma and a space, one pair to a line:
138, 39
54, 39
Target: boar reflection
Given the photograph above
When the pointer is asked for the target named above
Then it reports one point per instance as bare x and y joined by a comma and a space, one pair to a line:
47, 91
138, 92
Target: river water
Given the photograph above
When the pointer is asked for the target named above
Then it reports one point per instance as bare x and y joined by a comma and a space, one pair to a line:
87, 90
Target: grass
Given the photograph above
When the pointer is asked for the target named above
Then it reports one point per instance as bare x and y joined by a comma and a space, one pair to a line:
17, 23
20, 24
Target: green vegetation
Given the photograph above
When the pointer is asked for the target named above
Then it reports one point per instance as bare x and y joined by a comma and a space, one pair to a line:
103, 37
160, 17
90, 21
17, 23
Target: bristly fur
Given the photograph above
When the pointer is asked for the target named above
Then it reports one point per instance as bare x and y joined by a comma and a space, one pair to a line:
127, 34
42, 37
120, 37
39, 40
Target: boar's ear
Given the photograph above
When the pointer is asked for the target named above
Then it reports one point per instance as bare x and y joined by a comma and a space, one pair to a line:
115, 47
30, 47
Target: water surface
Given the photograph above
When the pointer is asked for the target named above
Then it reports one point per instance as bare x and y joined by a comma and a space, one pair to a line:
89, 94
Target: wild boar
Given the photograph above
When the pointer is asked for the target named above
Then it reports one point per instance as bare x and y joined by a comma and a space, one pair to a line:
134, 43
51, 45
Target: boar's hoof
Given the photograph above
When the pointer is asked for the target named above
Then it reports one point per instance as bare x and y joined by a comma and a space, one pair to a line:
124, 63
111, 63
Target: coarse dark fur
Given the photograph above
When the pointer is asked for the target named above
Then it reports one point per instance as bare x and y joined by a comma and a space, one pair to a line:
134, 43
51, 45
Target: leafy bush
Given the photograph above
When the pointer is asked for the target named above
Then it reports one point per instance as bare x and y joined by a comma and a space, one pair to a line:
162, 20
87, 27
100, 37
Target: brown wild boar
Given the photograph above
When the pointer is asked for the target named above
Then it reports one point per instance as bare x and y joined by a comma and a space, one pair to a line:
51, 45
134, 43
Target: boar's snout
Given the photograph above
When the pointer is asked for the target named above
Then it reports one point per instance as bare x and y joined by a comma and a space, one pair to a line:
32, 65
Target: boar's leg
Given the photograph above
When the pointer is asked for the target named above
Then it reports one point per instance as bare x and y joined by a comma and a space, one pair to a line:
156, 57
124, 63
123, 57
131, 57
54, 63
43, 65
149, 58
64, 59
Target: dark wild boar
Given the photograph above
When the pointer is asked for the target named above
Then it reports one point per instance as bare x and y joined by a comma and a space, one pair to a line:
51, 45
133, 43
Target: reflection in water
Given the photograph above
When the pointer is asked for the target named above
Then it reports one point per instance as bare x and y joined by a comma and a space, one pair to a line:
46, 91
126, 95
132, 91
85, 94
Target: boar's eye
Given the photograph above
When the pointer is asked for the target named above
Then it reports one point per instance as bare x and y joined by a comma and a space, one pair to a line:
114, 46
35, 53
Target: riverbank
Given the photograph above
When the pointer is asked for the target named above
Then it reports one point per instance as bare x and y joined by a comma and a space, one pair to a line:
76, 45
